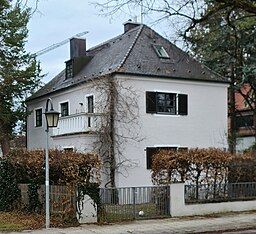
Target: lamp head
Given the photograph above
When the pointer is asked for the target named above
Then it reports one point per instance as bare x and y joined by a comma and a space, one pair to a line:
52, 116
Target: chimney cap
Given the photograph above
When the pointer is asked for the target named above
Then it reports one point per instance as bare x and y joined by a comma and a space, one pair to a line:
77, 47
128, 25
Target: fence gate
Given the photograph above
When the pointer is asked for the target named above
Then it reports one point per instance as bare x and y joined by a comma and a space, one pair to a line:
119, 204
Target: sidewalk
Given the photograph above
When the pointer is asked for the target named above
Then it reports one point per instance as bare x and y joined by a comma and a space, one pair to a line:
197, 224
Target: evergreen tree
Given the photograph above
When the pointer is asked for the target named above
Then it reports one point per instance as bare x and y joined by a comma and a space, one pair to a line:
19, 70
226, 43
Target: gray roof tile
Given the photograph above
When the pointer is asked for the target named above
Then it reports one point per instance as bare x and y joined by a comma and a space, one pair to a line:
133, 53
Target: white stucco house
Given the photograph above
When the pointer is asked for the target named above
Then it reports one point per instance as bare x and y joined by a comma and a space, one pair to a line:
144, 90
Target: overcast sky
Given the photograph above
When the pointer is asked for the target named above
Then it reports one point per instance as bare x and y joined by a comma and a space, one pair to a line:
57, 20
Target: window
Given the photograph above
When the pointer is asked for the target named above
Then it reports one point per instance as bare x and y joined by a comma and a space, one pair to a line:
90, 106
161, 52
166, 103
90, 109
151, 151
69, 69
38, 116
68, 149
64, 109
244, 121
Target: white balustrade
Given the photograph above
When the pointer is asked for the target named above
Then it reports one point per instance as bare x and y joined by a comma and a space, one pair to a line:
77, 123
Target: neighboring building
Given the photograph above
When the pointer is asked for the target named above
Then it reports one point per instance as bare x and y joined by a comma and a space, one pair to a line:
160, 98
244, 120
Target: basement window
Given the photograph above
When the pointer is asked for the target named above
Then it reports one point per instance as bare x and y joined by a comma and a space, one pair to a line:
68, 149
152, 151
161, 52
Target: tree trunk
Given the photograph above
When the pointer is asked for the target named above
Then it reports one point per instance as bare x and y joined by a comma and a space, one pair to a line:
112, 93
112, 160
4, 138
5, 145
232, 116
254, 124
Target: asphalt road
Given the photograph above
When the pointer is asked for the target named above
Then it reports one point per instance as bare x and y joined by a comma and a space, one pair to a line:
240, 231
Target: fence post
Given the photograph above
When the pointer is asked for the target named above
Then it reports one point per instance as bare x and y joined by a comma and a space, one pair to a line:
177, 199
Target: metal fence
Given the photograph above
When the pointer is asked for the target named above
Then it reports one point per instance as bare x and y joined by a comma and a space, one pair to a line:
62, 200
220, 192
119, 204
242, 190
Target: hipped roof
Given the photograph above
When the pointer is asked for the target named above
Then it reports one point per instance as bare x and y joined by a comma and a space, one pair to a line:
133, 53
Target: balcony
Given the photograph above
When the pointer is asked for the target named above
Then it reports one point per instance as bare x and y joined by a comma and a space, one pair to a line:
78, 123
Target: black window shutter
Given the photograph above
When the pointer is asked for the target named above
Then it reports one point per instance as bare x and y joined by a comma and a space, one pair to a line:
150, 102
150, 151
183, 104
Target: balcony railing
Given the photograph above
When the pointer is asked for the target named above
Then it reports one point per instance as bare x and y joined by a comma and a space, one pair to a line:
78, 123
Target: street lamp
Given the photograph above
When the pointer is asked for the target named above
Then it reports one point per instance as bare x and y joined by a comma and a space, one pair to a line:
52, 118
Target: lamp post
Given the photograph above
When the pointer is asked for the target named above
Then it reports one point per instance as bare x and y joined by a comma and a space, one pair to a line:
52, 118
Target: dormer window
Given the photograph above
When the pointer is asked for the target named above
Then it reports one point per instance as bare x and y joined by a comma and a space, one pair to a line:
69, 69
161, 52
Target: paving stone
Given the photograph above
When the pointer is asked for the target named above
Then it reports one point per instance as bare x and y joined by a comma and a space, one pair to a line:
229, 221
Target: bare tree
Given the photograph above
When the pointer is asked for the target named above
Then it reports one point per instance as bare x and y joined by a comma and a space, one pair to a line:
118, 124
188, 12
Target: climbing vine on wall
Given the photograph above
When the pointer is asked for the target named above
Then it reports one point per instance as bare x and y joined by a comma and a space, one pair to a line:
93, 191
33, 197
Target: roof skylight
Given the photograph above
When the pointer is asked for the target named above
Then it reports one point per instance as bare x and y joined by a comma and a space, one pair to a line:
161, 52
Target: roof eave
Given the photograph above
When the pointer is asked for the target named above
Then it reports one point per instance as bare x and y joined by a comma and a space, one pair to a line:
31, 98
172, 77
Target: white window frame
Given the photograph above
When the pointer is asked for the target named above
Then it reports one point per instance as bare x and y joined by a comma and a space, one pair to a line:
177, 92
86, 102
68, 107
35, 109
68, 147
160, 51
170, 146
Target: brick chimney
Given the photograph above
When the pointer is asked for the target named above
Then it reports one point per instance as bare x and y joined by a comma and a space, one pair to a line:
78, 59
77, 47
130, 25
